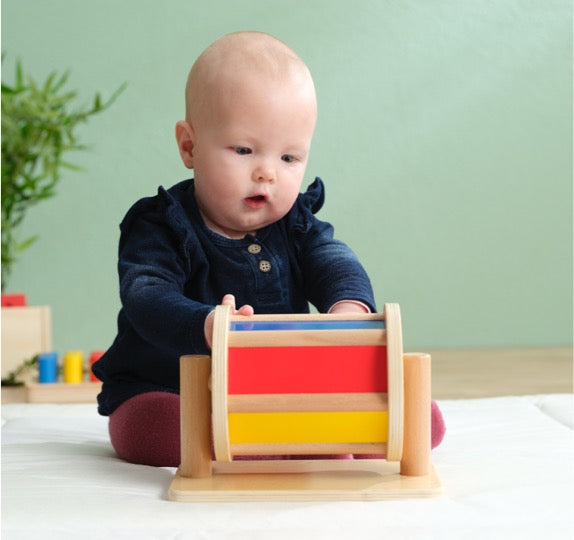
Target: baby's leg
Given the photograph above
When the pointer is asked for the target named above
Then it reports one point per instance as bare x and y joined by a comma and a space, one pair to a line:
438, 426
438, 429
145, 429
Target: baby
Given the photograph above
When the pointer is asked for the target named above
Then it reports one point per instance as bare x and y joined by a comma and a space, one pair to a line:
251, 112
240, 231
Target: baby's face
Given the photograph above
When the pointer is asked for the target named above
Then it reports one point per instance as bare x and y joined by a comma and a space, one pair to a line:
249, 158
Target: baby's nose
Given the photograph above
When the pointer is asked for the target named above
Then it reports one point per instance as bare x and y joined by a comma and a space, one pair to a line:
264, 173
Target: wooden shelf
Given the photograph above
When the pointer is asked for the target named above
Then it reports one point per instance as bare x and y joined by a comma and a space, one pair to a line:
62, 393
26, 331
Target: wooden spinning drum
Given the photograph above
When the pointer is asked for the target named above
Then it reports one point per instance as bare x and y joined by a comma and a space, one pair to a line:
307, 384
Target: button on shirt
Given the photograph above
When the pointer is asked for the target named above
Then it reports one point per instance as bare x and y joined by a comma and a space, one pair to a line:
264, 265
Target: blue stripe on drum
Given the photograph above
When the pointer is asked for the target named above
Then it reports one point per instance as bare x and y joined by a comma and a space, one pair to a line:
238, 326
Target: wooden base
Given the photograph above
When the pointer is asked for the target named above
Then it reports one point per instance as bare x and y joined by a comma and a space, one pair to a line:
308, 480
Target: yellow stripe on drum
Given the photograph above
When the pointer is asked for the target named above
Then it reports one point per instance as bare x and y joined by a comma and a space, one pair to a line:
308, 427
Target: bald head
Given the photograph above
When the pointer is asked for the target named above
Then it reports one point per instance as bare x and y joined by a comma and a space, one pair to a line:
238, 61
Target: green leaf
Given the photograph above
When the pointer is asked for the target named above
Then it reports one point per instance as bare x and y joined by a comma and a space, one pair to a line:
70, 166
19, 75
22, 246
8, 89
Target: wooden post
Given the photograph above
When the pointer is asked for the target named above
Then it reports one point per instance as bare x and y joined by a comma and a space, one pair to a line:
195, 403
415, 460
396, 383
219, 382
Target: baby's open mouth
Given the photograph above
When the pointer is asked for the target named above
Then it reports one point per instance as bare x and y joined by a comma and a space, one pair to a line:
255, 202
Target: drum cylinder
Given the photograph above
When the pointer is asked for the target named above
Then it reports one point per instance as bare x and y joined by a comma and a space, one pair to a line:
307, 384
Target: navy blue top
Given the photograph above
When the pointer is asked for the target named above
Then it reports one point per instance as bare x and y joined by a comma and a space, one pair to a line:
173, 270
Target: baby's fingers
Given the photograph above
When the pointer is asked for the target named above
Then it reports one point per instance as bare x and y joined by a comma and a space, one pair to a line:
246, 310
229, 300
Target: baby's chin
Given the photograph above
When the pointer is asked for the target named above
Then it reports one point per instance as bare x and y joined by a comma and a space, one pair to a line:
254, 223
248, 224
234, 232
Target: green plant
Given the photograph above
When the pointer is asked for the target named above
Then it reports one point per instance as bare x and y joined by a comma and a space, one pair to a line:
38, 127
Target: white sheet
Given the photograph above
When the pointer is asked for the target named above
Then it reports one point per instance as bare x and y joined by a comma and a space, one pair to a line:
506, 465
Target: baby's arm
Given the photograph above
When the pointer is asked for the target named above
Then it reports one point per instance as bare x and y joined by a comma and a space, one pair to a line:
228, 300
335, 281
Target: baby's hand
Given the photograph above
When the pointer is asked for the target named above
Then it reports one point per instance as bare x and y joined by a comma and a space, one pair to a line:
228, 300
349, 306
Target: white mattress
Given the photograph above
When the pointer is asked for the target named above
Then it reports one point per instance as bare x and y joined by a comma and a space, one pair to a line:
506, 466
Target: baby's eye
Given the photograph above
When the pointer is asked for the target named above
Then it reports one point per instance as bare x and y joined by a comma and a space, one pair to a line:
242, 150
288, 158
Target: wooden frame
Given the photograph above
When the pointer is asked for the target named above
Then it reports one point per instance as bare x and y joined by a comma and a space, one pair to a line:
389, 417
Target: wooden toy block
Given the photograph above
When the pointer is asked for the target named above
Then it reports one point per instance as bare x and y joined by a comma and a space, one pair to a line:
302, 385
26, 331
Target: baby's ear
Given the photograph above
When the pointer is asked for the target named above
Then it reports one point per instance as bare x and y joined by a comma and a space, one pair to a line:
184, 137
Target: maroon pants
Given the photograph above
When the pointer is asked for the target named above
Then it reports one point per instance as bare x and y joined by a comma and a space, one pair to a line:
145, 429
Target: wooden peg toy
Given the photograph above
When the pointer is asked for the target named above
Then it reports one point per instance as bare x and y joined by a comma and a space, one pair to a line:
300, 386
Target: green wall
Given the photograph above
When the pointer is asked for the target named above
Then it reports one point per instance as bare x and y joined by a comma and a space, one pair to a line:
444, 137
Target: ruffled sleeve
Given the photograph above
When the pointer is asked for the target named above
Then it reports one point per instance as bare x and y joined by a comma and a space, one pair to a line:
308, 204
